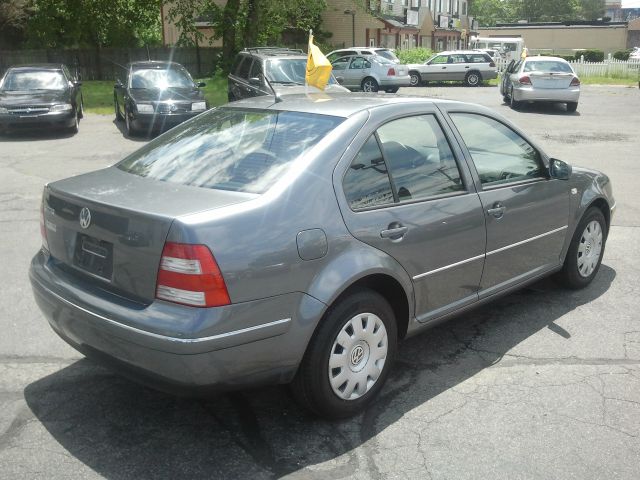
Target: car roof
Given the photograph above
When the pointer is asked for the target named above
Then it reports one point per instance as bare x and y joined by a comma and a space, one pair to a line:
265, 52
153, 64
37, 66
541, 57
334, 104
464, 52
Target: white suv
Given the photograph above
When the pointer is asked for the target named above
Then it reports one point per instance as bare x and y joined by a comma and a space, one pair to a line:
344, 52
469, 66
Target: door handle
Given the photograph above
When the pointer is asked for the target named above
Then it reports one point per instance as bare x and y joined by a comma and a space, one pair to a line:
394, 233
497, 210
467, 66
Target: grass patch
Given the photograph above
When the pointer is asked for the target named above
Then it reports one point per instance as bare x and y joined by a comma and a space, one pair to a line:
632, 82
98, 95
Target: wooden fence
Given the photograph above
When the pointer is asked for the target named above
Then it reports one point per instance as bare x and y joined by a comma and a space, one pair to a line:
104, 63
609, 68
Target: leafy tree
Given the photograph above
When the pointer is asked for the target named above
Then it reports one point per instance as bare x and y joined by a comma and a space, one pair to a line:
13, 20
590, 9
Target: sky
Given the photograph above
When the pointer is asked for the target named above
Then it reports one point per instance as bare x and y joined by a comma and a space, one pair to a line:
630, 3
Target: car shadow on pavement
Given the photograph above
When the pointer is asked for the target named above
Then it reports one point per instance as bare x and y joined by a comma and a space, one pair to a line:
35, 135
123, 430
545, 109
134, 138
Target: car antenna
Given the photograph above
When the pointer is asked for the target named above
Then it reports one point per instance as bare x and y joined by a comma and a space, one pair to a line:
276, 97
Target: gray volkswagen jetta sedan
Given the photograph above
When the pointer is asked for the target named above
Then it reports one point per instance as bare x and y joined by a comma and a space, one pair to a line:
299, 241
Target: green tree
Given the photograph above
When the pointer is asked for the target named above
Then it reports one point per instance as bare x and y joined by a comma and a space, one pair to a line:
590, 9
14, 15
490, 12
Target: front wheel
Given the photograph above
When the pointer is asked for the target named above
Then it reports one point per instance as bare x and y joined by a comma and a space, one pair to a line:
572, 106
349, 356
369, 85
116, 107
585, 251
129, 128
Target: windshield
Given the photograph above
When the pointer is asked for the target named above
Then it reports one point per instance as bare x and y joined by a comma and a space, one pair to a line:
24, 80
230, 149
388, 54
161, 78
547, 66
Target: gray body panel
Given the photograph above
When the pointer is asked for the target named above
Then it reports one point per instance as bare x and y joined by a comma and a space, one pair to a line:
288, 254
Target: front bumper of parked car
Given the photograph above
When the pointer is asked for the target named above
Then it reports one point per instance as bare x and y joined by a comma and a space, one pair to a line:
176, 348
26, 120
161, 121
524, 93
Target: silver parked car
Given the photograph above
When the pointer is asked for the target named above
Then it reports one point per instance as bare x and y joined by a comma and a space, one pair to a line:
370, 73
540, 79
301, 241
382, 51
469, 66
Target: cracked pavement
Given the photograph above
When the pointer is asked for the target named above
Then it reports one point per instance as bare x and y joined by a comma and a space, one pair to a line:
544, 383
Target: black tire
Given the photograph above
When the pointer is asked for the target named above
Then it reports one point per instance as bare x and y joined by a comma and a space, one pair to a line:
75, 128
515, 105
505, 99
572, 106
311, 385
415, 79
473, 79
81, 110
116, 107
570, 275
392, 89
128, 128
369, 84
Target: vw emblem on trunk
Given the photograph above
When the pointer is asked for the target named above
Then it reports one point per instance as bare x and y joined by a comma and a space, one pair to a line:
85, 217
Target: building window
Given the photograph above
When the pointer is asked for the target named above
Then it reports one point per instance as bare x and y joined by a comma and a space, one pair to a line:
464, 8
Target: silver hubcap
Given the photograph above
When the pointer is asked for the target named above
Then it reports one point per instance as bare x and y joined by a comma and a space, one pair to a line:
590, 248
473, 79
368, 87
414, 80
357, 356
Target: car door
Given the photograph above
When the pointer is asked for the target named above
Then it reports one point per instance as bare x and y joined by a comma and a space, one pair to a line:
526, 210
457, 67
437, 69
407, 193
240, 78
358, 70
340, 67
506, 81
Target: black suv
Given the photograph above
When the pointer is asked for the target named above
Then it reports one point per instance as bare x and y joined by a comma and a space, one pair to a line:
285, 69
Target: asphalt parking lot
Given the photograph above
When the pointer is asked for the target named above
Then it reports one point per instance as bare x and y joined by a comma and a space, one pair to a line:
543, 384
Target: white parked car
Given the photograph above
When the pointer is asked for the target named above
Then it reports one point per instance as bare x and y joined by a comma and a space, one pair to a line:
469, 66
540, 79
370, 73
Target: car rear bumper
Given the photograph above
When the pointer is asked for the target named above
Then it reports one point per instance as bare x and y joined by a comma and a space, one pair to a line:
398, 81
52, 120
529, 94
175, 348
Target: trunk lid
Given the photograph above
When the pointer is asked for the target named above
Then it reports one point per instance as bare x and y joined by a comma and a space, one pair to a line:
550, 80
119, 242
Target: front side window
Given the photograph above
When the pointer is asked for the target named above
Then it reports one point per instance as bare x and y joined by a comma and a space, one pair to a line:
439, 59
420, 160
499, 154
231, 149
341, 63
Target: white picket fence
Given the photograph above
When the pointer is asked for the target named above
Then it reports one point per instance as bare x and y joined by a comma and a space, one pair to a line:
609, 68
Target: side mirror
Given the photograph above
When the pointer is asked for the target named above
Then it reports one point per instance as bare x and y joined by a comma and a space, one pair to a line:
118, 85
559, 169
77, 83
255, 81
201, 84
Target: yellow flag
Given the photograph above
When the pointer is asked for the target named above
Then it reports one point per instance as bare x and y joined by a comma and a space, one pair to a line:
525, 52
318, 67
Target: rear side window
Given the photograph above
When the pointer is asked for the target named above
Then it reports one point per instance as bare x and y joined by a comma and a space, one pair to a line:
231, 149
236, 64
256, 70
366, 183
478, 59
243, 71
499, 154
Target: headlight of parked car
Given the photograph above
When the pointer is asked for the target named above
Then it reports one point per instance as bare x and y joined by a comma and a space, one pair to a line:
144, 108
197, 106
62, 107
3, 110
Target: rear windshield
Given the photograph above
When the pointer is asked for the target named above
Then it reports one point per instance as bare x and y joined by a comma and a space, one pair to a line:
231, 149
547, 66
388, 54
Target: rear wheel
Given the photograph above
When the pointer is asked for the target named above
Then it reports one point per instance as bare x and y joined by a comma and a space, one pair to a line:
473, 79
349, 356
572, 106
585, 251
414, 78
369, 85
514, 103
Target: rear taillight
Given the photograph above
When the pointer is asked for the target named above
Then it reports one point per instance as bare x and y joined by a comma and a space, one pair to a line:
43, 227
189, 275
525, 80
391, 72
575, 82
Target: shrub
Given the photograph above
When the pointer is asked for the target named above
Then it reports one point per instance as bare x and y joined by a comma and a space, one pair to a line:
414, 55
590, 55
622, 54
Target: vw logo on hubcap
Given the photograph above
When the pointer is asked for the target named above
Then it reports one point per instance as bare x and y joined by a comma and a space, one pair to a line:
85, 217
356, 355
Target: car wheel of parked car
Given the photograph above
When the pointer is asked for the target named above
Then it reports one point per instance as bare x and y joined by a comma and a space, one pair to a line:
585, 251
414, 79
81, 110
116, 107
129, 129
75, 128
349, 356
369, 85
473, 79
572, 106
514, 103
